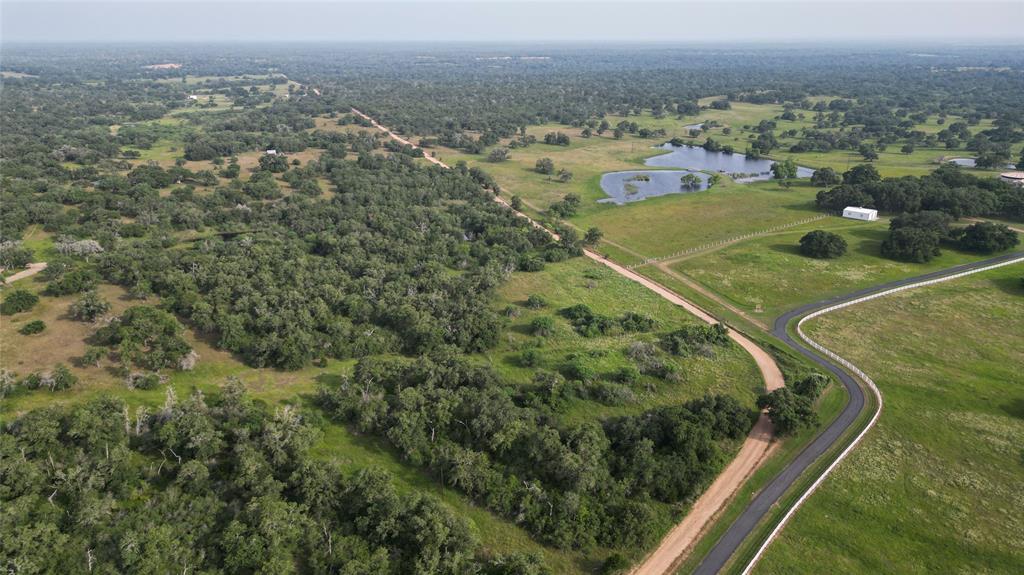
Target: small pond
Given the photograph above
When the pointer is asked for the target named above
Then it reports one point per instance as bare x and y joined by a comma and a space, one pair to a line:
739, 166
964, 162
633, 186
970, 163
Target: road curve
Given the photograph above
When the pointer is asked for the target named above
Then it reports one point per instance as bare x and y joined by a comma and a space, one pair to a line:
756, 447
770, 495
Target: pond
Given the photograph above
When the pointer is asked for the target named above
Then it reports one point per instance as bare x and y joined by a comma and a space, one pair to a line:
963, 162
633, 186
970, 163
738, 166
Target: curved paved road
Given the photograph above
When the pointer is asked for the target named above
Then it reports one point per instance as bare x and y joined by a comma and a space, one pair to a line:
770, 495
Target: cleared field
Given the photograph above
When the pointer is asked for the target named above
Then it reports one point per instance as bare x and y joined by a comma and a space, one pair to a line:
766, 276
664, 225
935, 487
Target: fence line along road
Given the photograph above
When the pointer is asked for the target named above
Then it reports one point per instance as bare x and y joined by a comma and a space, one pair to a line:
710, 245
771, 494
864, 377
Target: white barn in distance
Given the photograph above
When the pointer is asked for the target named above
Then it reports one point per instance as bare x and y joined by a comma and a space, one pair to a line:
865, 214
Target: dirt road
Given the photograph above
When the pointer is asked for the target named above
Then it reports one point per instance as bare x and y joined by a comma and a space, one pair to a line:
755, 449
31, 270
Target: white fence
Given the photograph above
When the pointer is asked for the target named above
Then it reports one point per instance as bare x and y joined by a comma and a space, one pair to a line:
863, 377
708, 246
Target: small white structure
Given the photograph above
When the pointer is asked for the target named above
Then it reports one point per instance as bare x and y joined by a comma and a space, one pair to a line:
1015, 178
193, 97
271, 152
866, 214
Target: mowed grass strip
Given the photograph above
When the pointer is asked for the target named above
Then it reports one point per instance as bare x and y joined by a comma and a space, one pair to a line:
936, 486
766, 276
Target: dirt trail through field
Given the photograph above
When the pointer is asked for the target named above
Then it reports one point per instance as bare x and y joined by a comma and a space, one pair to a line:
1016, 229
32, 270
686, 280
756, 448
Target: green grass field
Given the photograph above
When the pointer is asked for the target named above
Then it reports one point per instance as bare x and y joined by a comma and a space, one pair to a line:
766, 276
664, 225
732, 372
935, 487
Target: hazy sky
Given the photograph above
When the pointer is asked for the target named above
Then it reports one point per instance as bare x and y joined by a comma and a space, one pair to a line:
510, 21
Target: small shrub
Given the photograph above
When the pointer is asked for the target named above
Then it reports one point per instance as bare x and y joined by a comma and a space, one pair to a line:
138, 380
529, 358
542, 326
74, 281
8, 383
92, 356
61, 378
535, 301
616, 563
627, 374
89, 307
694, 339
18, 301
811, 386
32, 327
528, 263
579, 370
608, 393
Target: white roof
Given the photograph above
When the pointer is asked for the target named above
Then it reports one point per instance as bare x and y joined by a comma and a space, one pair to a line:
1013, 175
859, 210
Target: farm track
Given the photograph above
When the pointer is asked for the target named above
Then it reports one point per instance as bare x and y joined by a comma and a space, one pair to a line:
756, 447
32, 270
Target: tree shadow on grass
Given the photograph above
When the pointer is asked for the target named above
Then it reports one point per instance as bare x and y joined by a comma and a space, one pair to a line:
1014, 408
1011, 285
788, 249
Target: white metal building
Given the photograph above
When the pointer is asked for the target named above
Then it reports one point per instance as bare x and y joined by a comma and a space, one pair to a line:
854, 213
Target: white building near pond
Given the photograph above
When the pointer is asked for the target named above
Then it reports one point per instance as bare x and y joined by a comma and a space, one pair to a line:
854, 213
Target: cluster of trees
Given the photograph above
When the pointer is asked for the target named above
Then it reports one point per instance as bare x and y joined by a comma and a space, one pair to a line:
566, 207
209, 486
697, 339
928, 205
591, 324
547, 166
556, 139
368, 272
784, 171
947, 190
572, 486
917, 237
791, 407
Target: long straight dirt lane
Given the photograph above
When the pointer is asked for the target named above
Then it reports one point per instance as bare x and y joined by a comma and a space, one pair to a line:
756, 448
